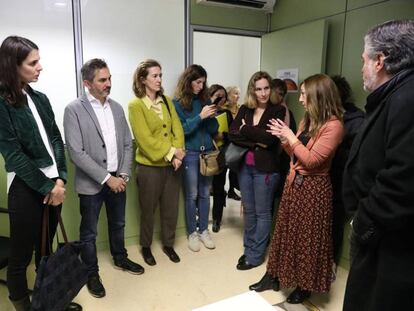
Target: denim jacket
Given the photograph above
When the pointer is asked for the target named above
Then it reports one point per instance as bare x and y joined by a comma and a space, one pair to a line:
21, 144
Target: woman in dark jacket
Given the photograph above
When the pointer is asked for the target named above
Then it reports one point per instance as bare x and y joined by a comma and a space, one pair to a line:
353, 119
259, 171
218, 96
33, 151
280, 90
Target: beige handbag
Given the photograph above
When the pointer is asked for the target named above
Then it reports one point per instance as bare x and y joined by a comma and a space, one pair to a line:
209, 164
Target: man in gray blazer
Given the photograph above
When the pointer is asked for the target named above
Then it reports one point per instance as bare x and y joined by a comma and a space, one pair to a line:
100, 145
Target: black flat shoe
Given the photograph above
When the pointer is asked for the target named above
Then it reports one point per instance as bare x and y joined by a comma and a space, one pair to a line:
216, 226
266, 282
148, 257
129, 266
298, 296
170, 252
73, 306
95, 286
245, 265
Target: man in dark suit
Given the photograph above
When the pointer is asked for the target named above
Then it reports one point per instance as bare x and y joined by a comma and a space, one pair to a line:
379, 176
100, 145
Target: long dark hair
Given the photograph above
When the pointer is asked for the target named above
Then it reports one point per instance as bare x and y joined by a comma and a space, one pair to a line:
13, 51
184, 91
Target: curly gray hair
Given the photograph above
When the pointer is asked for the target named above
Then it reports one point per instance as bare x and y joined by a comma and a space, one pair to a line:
395, 39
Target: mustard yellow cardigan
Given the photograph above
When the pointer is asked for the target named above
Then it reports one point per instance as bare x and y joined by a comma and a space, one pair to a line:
154, 137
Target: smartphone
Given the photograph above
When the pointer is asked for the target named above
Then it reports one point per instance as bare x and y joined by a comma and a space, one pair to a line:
216, 101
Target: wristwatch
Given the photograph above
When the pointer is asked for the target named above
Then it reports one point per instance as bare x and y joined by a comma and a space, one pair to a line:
125, 177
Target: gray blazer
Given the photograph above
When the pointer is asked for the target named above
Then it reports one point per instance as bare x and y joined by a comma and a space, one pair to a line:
86, 145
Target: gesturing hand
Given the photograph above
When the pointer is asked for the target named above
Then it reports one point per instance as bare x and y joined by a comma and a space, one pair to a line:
279, 129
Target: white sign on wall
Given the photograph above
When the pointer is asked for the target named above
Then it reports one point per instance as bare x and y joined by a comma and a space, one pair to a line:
290, 76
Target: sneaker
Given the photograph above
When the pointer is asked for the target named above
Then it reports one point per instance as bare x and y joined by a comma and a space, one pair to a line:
95, 286
194, 242
129, 266
207, 240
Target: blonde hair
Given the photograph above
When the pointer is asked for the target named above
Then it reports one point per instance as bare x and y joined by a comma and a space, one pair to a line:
251, 99
140, 74
322, 102
232, 89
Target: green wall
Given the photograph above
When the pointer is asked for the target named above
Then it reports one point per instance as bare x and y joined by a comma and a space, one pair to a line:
302, 47
348, 21
357, 23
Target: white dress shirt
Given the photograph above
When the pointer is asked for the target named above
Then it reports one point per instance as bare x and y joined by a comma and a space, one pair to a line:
106, 121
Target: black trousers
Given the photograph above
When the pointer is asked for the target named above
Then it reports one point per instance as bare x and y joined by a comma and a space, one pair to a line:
233, 181
219, 195
26, 211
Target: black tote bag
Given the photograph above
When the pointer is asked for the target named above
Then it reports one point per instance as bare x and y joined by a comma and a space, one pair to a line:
61, 275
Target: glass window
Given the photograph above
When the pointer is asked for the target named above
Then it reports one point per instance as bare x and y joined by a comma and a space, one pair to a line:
124, 33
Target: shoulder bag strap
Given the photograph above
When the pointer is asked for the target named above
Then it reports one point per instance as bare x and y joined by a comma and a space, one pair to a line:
166, 103
45, 230
62, 227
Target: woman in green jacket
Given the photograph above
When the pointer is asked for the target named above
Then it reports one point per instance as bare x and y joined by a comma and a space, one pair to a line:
160, 151
33, 152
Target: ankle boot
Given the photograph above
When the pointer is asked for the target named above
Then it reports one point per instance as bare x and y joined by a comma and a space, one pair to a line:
298, 296
216, 226
22, 304
266, 282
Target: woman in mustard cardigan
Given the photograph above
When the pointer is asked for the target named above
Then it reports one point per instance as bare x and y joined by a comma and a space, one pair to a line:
301, 254
160, 151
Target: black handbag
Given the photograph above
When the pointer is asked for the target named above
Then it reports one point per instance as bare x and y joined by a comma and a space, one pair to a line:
234, 156
61, 275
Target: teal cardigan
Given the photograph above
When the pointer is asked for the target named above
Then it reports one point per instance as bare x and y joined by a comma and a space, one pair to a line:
197, 132
21, 144
153, 136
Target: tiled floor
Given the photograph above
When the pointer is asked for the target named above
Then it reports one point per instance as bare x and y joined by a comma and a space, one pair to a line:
199, 279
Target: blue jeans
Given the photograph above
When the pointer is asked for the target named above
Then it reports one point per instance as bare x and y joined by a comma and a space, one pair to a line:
197, 193
257, 192
90, 207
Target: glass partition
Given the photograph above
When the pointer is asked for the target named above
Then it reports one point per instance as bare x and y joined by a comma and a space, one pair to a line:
127, 32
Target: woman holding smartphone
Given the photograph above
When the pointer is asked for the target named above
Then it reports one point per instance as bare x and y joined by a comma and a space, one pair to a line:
218, 96
197, 117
